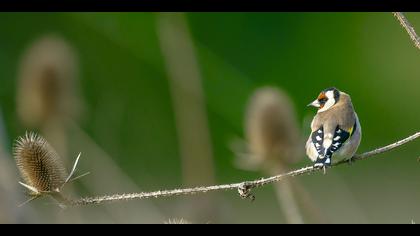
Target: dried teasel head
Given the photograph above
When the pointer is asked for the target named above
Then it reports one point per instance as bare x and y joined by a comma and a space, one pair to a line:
39, 165
47, 82
272, 130
177, 221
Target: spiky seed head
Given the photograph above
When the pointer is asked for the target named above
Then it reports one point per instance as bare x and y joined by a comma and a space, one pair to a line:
39, 164
271, 127
177, 221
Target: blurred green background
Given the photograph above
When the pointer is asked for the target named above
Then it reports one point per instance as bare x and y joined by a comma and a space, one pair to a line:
129, 113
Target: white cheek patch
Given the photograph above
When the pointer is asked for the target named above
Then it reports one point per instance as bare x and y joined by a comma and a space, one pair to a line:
330, 102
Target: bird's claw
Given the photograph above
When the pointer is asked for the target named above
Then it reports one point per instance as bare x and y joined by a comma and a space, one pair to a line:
321, 166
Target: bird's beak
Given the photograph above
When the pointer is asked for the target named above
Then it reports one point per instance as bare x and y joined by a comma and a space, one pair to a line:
314, 104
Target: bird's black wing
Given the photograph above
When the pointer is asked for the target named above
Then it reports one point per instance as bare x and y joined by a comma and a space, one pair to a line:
318, 140
339, 138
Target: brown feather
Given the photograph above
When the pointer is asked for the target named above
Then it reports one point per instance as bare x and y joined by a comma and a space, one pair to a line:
341, 114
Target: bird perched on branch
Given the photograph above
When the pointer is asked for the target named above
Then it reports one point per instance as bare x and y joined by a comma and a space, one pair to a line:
335, 129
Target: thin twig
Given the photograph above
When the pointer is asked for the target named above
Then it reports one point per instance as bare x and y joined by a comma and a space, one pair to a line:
244, 188
407, 26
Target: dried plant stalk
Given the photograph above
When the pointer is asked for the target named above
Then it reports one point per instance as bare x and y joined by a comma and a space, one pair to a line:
272, 135
407, 26
244, 188
46, 164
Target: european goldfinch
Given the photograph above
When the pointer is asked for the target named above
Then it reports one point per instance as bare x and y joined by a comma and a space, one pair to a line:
335, 129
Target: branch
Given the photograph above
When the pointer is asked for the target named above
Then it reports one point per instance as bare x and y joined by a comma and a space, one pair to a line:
244, 188
407, 26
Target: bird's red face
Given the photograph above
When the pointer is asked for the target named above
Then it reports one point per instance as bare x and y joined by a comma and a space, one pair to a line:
322, 99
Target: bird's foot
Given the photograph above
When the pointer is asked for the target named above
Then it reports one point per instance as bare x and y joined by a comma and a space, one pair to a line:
323, 164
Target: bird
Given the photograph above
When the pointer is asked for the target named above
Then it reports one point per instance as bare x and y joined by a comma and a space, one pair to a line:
335, 129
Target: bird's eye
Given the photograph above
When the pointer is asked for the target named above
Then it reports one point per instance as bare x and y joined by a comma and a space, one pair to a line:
323, 100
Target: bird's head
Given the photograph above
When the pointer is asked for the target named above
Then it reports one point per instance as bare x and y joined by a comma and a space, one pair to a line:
326, 99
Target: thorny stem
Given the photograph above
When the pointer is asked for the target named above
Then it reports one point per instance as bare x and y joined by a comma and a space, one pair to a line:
244, 188
407, 26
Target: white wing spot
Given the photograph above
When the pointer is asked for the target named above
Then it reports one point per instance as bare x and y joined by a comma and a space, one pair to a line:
339, 131
317, 145
336, 144
318, 138
321, 156
328, 161
336, 138
319, 131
